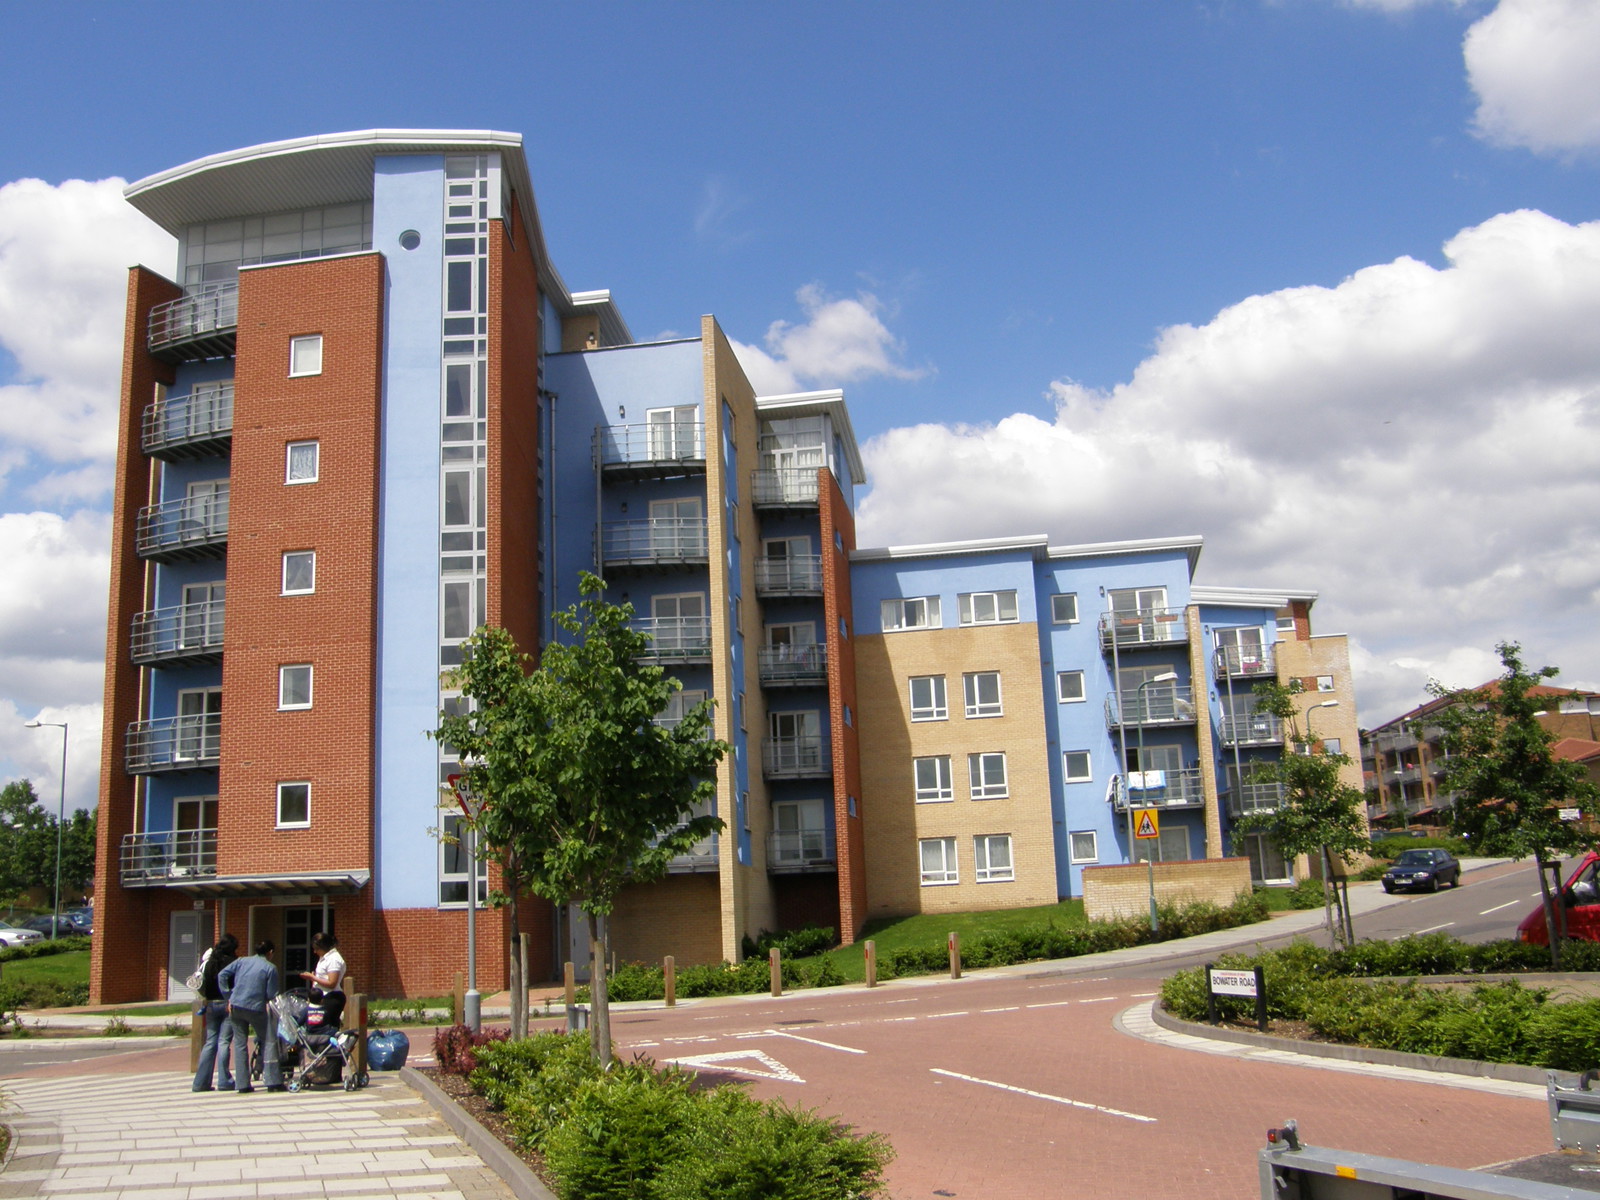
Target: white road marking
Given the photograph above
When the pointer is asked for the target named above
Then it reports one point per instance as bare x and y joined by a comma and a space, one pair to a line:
1436, 928
1145, 995
798, 1038
1497, 908
1099, 999
1013, 1008
1021, 1091
936, 1016
724, 1061
894, 1020
1053, 1004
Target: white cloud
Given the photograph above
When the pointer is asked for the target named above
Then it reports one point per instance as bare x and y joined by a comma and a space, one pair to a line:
1535, 65
839, 341
1418, 444
35, 754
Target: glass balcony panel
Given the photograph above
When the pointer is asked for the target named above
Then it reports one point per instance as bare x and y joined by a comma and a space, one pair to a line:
777, 487
184, 631
189, 426
794, 664
199, 324
794, 758
655, 444
149, 859
676, 639
174, 743
796, 575
800, 850
1162, 789
658, 540
188, 527
1246, 661
1160, 704
1254, 729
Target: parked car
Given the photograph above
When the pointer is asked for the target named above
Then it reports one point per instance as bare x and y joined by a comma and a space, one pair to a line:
82, 920
1425, 869
1580, 897
15, 935
41, 925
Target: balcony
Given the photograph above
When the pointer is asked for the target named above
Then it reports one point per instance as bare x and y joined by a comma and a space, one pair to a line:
1245, 662
792, 665
657, 450
784, 487
656, 542
190, 527
1405, 775
794, 758
676, 639
152, 859
199, 425
1256, 729
1254, 798
184, 633
1146, 627
1161, 789
189, 743
799, 850
1394, 743
199, 324
797, 575
1163, 704
700, 857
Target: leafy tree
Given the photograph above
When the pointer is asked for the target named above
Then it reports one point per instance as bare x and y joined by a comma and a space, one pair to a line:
583, 793
77, 850
1508, 786
1320, 814
27, 839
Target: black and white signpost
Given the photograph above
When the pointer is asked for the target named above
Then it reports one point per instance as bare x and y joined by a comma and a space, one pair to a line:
1223, 982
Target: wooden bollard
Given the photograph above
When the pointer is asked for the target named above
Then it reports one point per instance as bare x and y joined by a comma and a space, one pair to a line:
359, 1003
669, 976
955, 955
458, 1000
871, 955
569, 975
775, 965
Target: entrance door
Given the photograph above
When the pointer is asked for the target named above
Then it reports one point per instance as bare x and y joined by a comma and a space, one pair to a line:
194, 823
300, 925
188, 937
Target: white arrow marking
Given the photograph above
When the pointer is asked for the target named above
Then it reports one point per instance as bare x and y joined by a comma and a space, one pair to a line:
722, 1062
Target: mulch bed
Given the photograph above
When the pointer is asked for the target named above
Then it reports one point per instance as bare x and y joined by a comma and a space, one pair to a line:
459, 1090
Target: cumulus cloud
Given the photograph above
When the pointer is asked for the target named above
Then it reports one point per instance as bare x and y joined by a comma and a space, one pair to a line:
1418, 444
1535, 66
839, 341
35, 754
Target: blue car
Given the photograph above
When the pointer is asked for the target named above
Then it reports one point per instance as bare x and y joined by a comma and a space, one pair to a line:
1425, 869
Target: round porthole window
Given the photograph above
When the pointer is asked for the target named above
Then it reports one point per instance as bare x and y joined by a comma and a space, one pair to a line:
410, 240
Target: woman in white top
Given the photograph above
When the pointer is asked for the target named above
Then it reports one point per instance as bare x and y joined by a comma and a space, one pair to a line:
328, 977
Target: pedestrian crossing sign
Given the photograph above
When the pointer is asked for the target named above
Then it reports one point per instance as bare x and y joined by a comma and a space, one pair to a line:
1146, 824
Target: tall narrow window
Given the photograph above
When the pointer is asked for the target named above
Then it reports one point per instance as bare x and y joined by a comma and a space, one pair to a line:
928, 698
305, 355
983, 693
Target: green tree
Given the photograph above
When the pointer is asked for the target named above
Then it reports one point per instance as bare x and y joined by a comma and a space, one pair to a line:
1508, 786
582, 792
1319, 814
27, 840
77, 850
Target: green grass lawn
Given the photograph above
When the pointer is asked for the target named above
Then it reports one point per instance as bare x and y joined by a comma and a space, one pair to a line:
931, 929
65, 969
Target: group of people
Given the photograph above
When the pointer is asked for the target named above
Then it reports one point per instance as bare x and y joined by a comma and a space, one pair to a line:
233, 996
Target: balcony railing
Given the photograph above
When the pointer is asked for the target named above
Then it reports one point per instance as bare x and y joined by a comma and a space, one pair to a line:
702, 856
1257, 729
1163, 704
199, 324
655, 448
191, 426
1407, 775
800, 850
154, 858
1254, 798
174, 744
1145, 627
1162, 789
794, 758
191, 632
1245, 661
676, 639
777, 487
802, 665
1390, 743
797, 575
658, 541
188, 527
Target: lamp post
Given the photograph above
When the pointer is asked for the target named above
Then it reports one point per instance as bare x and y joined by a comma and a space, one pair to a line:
472, 1002
61, 818
1341, 896
1311, 741
1150, 860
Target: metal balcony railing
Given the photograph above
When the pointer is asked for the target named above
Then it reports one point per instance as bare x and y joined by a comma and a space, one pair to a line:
191, 426
188, 527
800, 850
776, 487
794, 665
1254, 798
1257, 729
676, 446
794, 758
1160, 704
1161, 789
702, 856
183, 632
199, 324
1391, 743
797, 575
664, 541
154, 858
1407, 775
1144, 627
174, 744
1245, 661
676, 639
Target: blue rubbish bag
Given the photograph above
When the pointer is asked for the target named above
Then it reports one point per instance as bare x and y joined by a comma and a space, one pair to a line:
387, 1049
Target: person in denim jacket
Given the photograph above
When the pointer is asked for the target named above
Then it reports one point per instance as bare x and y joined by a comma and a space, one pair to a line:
247, 984
216, 1053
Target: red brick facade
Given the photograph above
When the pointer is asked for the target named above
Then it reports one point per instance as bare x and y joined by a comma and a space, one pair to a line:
838, 539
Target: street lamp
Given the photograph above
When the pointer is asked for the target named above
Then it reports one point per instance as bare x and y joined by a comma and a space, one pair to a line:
1150, 860
472, 1002
61, 817
1311, 741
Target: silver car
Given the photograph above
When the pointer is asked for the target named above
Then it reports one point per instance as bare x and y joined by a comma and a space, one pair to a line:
11, 935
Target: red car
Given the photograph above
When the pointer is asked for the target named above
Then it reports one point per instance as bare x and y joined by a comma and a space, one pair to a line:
1580, 895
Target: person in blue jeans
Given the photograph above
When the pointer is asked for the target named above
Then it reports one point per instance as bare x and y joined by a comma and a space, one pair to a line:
247, 984
215, 1054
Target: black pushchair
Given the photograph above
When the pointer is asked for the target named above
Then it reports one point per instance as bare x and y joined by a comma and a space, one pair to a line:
312, 1048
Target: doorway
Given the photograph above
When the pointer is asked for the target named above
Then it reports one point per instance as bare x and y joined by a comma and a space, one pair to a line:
188, 937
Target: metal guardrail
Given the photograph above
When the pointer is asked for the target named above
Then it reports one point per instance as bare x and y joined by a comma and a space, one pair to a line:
661, 540
207, 315
797, 575
778, 486
1145, 627
681, 443
1258, 729
1246, 661
188, 527
174, 744
1254, 798
794, 665
151, 858
676, 639
798, 850
1161, 789
1161, 704
794, 758
183, 631
195, 422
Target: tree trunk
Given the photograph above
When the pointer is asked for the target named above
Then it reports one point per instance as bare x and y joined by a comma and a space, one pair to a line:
599, 1004
519, 985
1327, 900
1547, 901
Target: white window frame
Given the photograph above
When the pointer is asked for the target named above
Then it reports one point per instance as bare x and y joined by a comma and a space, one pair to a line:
305, 355
286, 590
931, 779
285, 674
289, 448
1094, 846
938, 708
1001, 608
949, 870
983, 848
1055, 608
1324, 683
910, 612
977, 707
449, 823
293, 783
1061, 689
1066, 767
980, 785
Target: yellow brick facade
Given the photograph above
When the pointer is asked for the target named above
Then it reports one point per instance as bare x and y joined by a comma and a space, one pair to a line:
1124, 891
680, 915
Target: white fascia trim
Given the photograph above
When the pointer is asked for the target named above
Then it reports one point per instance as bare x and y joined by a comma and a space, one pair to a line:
612, 325
1249, 597
1035, 543
829, 401
1191, 544
295, 262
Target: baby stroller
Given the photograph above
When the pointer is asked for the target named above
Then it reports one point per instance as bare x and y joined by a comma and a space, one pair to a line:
312, 1048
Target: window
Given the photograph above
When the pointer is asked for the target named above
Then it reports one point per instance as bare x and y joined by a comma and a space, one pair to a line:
988, 608
1332, 746
992, 858
1064, 608
301, 466
1075, 766
927, 698
305, 355
933, 778
1069, 687
198, 733
294, 805
1083, 846
939, 861
454, 865
294, 686
983, 693
299, 572
986, 775
914, 612
1324, 683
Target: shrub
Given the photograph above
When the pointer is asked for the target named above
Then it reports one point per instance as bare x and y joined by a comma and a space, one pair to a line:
1566, 1036
42, 993
533, 1080
797, 943
44, 949
618, 1132
637, 981
455, 1047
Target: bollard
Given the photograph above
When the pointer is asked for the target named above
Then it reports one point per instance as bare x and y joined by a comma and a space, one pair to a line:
669, 974
871, 949
955, 955
197, 1038
359, 1003
775, 965
458, 1000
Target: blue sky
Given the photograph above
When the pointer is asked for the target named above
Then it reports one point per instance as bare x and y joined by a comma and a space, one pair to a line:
1314, 279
